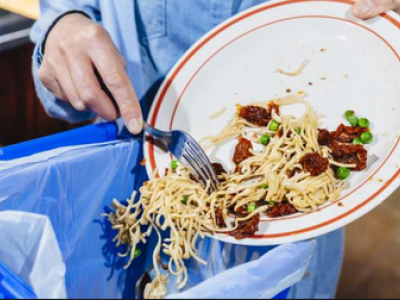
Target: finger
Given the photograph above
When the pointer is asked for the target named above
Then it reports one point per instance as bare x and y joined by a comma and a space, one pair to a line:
113, 73
61, 95
366, 9
65, 80
50, 82
88, 87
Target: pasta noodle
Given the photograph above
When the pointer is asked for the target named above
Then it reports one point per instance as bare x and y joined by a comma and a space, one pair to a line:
177, 204
218, 114
297, 72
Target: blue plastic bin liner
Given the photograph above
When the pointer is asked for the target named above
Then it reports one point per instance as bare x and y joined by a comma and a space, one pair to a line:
240, 272
92, 134
12, 287
74, 186
283, 295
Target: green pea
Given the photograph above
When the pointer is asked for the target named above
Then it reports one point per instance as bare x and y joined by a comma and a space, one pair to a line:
363, 122
185, 199
251, 208
348, 114
299, 131
138, 252
265, 186
274, 126
353, 120
271, 203
265, 139
343, 173
174, 164
357, 141
367, 137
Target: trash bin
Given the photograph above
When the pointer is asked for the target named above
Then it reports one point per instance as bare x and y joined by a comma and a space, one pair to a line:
92, 134
72, 184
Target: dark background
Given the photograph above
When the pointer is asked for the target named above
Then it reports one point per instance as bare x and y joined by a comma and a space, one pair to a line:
22, 117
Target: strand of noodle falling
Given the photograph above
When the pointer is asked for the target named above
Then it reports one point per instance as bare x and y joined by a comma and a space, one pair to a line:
161, 206
157, 289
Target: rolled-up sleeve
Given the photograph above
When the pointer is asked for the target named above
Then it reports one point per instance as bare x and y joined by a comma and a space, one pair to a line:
51, 12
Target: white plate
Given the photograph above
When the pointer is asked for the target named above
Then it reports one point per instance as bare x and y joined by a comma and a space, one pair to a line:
236, 63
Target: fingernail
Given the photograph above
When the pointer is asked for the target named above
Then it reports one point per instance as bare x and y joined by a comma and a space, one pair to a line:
363, 8
135, 126
80, 106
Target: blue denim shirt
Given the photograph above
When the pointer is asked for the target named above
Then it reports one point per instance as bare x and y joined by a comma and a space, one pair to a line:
152, 35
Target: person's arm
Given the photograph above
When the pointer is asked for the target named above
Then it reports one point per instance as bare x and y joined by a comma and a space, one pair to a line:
71, 53
51, 12
366, 9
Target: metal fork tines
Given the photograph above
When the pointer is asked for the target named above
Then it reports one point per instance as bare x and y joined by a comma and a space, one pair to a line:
188, 151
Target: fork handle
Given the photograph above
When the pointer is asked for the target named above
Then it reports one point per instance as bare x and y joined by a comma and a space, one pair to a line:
158, 134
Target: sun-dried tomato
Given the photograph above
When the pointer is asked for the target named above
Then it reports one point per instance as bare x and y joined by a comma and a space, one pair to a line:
246, 229
347, 134
324, 137
220, 218
350, 154
314, 164
281, 209
242, 151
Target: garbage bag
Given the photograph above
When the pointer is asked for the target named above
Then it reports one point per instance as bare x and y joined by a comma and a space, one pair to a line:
74, 186
30, 250
252, 273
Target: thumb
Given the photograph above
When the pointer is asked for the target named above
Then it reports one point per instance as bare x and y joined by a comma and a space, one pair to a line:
366, 9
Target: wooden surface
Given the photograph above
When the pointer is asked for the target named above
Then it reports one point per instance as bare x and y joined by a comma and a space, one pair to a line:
372, 263
26, 8
22, 117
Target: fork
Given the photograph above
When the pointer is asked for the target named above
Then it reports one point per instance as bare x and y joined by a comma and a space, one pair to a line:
182, 146
185, 148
